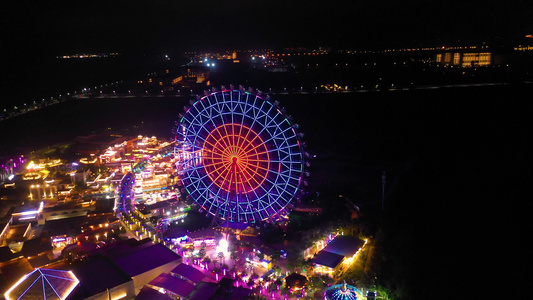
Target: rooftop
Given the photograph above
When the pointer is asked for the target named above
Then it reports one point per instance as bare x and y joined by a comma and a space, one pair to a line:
344, 245
175, 232
97, 275
202, 233
146, 259
6, 254
204, 290
148, 293
43, 284
328, 259
173, 284
189, 272
163, 203
35, 246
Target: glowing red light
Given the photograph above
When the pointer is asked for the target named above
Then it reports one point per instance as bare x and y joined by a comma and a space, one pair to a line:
236, 158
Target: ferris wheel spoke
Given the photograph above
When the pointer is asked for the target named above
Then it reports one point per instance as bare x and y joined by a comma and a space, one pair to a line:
223, 174
241, 159
250, 176
275, 150
254, 120
217, 166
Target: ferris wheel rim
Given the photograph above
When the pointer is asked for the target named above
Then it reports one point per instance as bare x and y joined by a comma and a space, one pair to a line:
277, 186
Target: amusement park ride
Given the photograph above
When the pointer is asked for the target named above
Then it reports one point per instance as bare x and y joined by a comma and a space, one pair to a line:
241, 158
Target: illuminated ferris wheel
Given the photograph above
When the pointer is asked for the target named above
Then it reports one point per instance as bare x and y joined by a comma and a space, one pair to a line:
241, 157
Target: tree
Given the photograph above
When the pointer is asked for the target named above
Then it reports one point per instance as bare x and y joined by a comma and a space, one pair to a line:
233, 242
276, 254
220, 256
234, 255
80, 187
260, 255
201, 252
206, 260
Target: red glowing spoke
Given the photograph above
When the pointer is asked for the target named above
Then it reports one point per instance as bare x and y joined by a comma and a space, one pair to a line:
219, 140
253, 178
221, 169
227, 135
263, 151
245, 139
227, 173
215, 167
241, 165
233, 135
213, 145
232, 156
257, 158
233, 176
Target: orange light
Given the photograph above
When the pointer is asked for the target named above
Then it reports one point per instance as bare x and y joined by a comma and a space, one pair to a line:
236, 158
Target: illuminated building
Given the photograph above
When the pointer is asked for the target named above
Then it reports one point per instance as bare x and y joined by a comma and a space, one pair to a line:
206, 235
464, 59
175, 287
67, 210
43, 284
337, 255
162, 208
27, 213
192, 76
100, 278
190, 274
146, 262
4, 230
327, 263
17, 234
43, 191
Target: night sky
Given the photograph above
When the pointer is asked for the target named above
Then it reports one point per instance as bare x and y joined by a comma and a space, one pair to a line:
61, 27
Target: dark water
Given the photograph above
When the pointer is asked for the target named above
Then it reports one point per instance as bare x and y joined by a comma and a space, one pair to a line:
34, 78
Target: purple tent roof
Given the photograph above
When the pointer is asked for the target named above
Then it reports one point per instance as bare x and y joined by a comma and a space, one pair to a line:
173, 284
148, 293
189, 272
146, 259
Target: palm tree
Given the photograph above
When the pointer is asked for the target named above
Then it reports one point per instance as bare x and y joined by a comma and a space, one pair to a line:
220, 256
201, 253
234, 255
